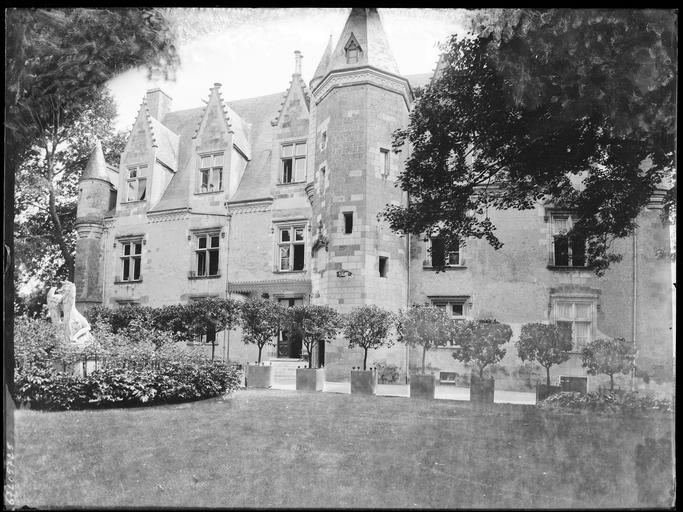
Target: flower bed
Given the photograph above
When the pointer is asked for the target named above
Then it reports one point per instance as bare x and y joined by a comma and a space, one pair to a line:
616, 401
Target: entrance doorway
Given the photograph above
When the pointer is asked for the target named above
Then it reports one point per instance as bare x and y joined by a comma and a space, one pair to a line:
289, 344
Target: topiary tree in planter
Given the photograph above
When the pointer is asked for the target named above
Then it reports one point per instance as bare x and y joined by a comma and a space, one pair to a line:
261, 321
201, 315
547, 344
425, 326
478, 343
609, 356
368, 327
315, 324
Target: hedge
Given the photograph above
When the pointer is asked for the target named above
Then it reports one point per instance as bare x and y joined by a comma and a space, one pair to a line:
41, 387
614, 401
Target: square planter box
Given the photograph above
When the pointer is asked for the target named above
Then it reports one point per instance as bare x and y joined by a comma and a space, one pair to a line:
422, 386
310, 379
259, 376
363, 382
543, 391
481, 389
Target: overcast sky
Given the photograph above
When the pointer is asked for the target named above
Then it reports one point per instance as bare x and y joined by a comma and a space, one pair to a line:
251, 51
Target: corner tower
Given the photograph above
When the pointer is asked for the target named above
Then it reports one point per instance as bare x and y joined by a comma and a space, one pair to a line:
96, 196
359, 100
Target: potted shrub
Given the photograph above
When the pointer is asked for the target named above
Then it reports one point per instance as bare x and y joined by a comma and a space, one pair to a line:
548, 345
478, 343
211, 312
367, 327
315, 324
608, 356
261, 321
428, 327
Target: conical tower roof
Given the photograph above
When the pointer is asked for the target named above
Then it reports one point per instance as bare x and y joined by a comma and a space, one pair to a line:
324, 61
364, 27
96, 167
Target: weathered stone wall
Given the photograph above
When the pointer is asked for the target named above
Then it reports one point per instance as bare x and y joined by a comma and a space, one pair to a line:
514, 285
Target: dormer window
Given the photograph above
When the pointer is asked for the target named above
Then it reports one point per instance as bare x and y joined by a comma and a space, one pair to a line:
210, 173
136, 181
352, 50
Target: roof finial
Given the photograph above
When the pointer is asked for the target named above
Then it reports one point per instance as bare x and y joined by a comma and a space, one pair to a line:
297, 62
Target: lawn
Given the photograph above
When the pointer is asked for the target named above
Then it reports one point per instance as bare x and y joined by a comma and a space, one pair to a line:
266, 448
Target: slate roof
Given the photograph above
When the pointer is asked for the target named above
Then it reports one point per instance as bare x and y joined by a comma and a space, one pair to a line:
367, 29
250, 120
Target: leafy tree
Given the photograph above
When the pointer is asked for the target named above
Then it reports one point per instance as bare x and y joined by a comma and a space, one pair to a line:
425, 326
47, 190
546, 344
56, 63
261, 321
479, 342
315, 324
609, 356
368, 327
479, 143
202, 315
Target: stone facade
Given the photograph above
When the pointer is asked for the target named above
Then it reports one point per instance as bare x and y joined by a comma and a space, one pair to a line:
278, 197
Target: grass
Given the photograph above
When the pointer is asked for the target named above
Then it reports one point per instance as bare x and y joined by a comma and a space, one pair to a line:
266, 448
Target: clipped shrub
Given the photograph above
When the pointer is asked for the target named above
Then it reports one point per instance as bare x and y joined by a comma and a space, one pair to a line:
425, 326
367, 327
479, 343
622, 401
609, 356
116, 385
387, 373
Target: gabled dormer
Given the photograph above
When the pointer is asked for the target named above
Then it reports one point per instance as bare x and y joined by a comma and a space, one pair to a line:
222, 148
294, 112
353, 51
149, 160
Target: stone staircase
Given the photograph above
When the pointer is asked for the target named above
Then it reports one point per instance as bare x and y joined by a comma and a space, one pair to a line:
284, 370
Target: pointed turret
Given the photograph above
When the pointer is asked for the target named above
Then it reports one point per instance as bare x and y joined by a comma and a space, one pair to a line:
363, 42
96, 167
323, 64
96, 196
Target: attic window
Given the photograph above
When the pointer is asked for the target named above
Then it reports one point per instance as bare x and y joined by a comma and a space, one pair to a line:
137, 183
353, 50
210, 173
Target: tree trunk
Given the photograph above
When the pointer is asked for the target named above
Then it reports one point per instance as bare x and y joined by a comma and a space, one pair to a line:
260, 348
64, 249
547, 374
424, 354
213, 349
481, 372
365, 358
611, 382
309, 349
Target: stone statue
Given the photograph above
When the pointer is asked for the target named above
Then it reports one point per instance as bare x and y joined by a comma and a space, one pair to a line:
62, 308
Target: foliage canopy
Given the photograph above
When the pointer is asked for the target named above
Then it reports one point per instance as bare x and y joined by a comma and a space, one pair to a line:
368, 327
571, 108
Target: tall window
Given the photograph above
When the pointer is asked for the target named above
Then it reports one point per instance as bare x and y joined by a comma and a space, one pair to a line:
136, 183
323, 140
211, 173
384, 162
566, 251
440, 257
383, 266
131, 260
293, 166
291, 248
576, 316
348, 222
206, 254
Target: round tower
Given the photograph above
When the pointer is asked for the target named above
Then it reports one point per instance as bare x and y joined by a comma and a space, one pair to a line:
95, 192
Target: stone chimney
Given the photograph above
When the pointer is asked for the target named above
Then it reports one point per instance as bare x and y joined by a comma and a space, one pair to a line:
297, 62
159, 103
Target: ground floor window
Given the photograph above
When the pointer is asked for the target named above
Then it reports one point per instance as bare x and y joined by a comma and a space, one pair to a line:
577, 316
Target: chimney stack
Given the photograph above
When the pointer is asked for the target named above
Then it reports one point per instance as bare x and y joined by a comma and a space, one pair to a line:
297, 62
159, 103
